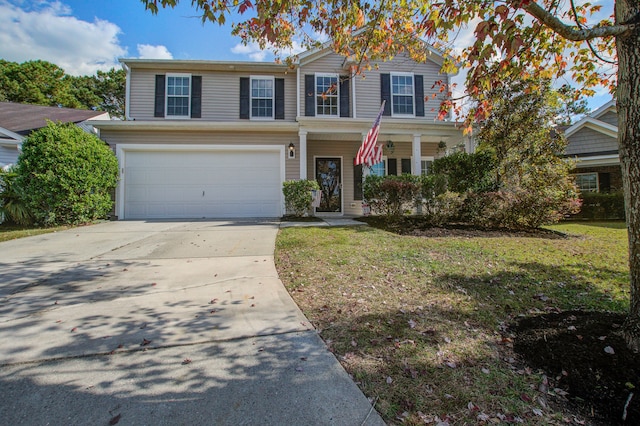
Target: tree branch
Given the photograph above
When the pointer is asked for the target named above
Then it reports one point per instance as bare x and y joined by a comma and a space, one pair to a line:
570, 33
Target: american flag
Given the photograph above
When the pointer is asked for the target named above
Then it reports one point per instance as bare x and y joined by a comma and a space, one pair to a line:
370, 153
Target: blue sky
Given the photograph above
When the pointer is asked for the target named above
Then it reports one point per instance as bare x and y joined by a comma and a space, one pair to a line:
83, 36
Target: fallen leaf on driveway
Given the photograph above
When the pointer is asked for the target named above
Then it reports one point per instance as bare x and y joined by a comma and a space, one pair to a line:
114, 420
186, 361
213, 301
74, 329
145, 342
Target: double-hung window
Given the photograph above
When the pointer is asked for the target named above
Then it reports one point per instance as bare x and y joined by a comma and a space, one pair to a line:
262, 90
402, 95
327, 96
587, 182
178, 95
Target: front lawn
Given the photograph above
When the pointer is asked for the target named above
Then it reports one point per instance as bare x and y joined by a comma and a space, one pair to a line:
11, 232
424, 324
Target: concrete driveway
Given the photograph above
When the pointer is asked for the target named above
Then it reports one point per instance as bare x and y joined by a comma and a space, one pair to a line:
162, 323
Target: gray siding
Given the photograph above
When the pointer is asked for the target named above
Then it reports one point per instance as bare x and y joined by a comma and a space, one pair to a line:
292, 167
610, 118
587, 140
368, 98
8, 155
331, 63
367, 86
220, 94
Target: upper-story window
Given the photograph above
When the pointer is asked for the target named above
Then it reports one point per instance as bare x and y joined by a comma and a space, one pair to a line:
402, 95
327, 95
178, 95
262, 92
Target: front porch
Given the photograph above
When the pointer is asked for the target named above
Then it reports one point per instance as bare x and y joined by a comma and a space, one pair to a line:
327, 148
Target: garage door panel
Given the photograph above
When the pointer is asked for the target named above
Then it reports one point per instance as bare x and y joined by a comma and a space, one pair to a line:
179, 184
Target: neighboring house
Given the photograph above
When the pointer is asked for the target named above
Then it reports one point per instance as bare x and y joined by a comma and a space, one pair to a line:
593, 143
17, 121
211, 139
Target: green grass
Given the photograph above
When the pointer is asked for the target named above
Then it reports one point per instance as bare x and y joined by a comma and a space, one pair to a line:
419, 322
11, 232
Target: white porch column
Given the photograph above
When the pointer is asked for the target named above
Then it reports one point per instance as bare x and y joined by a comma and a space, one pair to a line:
302, 151
416, 154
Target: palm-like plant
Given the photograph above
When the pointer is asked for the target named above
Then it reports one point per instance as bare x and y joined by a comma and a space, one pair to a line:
12, 208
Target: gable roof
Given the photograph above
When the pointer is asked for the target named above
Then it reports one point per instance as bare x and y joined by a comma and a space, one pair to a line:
22, 119
592, 121
311, 55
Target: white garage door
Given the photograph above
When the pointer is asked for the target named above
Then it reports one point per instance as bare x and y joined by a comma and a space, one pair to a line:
202, 184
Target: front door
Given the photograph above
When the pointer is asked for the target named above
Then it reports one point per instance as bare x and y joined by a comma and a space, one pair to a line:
329, 177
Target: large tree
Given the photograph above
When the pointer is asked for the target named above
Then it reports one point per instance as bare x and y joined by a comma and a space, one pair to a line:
43, 83
538, 38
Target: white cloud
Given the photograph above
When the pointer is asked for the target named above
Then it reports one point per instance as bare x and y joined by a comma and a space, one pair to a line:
148, 51
45, 30
252, 50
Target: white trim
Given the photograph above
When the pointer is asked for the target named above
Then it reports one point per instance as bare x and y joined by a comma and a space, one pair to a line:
315, 171
298, 93
18, 138
413, 93
609, 106
273, 97
352, 76
337, 95
597, 160
589, 173
122, 149
166, 97
127, 91
594, 124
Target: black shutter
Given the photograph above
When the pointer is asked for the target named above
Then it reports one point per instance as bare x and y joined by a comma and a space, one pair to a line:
405, 165
392, 166
418, 87
196, 96
357, 182
604, 181
159, 100
385, 92
279, 99
344, 96
309, 95
244, 97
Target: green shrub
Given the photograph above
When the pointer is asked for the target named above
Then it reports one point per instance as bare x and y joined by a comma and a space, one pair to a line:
602, 206
391, 195
518, 208
65, 175
467, 172
12, 207
297, 195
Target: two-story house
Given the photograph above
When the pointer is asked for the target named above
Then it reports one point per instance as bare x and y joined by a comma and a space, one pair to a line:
217, 139
593, 143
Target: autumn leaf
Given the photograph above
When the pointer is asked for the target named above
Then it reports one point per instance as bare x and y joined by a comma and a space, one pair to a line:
115, 419
145, 342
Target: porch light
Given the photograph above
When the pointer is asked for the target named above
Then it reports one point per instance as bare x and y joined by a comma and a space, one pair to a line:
292, 150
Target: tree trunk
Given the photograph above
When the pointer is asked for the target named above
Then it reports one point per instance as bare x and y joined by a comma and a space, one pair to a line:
628, 106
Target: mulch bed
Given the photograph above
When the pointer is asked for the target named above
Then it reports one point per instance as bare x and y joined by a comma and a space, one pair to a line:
584, 355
